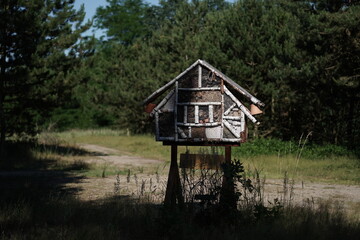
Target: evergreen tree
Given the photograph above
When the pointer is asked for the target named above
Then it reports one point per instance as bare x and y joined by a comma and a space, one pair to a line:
124, 20
301, 61
38, 48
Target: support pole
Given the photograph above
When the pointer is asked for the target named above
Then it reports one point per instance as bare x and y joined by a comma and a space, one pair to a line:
173, 189
227, 197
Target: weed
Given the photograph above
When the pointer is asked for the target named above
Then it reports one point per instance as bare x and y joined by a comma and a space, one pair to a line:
117, 184
103, 173
272, 156
128, 176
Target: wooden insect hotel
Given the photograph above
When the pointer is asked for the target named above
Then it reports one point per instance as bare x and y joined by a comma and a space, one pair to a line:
202, 107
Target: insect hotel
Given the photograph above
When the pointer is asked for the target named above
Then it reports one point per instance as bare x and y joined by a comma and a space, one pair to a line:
202, 108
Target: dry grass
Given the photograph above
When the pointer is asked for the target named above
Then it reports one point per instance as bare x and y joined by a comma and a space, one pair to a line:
38, 207
340, 170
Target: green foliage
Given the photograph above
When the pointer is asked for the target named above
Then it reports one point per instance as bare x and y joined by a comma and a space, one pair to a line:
37, 204
293, 59
277, 147
299, 57
39, 46
42, 214
124, 20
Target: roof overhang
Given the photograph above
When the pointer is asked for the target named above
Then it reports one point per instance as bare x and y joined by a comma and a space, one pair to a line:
226, 80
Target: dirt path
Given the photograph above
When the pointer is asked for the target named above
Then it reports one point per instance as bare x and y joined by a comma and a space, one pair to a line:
115, 158
155, 181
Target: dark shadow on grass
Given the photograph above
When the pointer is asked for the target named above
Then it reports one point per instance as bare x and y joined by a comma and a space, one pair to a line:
35, 203
68, 150
25, 155
27, 180
125, 217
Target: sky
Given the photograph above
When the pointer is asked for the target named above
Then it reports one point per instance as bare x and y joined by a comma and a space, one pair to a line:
92, 5
90, 9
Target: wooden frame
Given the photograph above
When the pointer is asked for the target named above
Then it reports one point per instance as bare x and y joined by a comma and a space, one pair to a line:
196, 116
200, 110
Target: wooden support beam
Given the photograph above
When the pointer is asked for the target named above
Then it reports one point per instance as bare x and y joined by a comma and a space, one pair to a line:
198, 103
196, 114
211, 113
227, 195
200, 76
176, 109
228, 155
173, 189
185, 114
198, 124
241, 106
201, 89
231, 129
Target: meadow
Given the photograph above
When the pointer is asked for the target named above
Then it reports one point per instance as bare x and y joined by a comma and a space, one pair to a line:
36, 204
271, 157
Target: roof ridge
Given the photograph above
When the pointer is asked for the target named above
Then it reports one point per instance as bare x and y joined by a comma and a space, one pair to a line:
231, 82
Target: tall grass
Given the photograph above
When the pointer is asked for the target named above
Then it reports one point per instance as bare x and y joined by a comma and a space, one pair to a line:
38, 207
302, 148
63, 217
301, 159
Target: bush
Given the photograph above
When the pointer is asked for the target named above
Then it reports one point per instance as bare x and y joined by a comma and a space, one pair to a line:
272, 146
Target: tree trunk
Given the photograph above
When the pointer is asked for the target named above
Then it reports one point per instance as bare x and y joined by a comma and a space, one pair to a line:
2, 125
2, 112
350, 126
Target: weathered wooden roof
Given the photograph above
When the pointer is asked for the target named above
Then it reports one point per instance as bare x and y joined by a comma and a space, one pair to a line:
226, 79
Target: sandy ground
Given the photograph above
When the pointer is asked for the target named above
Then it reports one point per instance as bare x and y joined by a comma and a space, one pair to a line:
115, 158
150, 181
148, 177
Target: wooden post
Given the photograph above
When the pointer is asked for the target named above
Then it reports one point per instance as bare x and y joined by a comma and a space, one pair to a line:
227, 154
227, 197
173, 188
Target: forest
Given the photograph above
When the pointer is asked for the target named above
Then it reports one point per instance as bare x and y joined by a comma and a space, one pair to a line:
301, 58
78, 158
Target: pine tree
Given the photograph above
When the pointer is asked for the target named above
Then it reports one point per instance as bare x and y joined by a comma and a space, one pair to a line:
124, 20
38, 48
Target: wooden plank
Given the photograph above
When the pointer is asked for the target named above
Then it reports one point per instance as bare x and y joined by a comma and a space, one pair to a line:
198, 103
227, 194
166, 139
211, 113
161, 90
241, 106
200, 76
233, 84
185, 114
175, 110
173, 193
201, 161
232, 130
157, 129
182, 134
222, 111
200, 89
222, 86
196, 114
230, 108
242, 122
232, 117
204, 142
170, 94
198, 124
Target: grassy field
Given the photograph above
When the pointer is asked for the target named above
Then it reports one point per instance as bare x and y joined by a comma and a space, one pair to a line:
34, 203
298, 161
